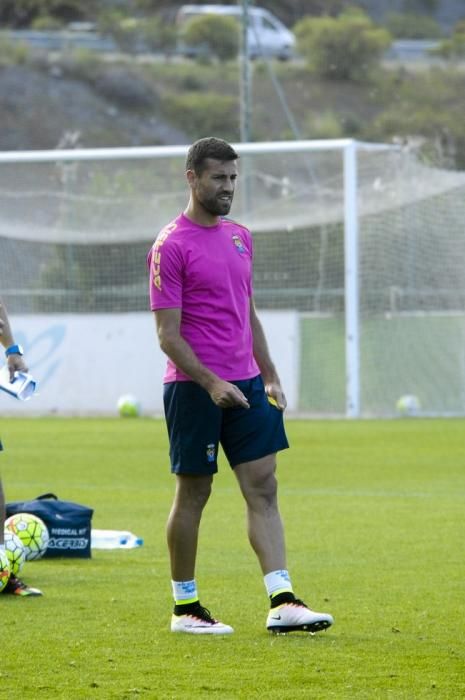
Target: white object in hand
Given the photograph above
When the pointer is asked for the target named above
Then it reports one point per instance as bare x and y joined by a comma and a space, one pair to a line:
22, 387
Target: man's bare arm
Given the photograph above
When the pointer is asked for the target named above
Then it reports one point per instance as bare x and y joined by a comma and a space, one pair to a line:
15, 362
222, 393
264, 361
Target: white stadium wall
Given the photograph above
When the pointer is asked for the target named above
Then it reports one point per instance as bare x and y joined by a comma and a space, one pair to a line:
84, 363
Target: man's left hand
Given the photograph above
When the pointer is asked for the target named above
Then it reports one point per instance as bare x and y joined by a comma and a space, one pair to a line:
276, 394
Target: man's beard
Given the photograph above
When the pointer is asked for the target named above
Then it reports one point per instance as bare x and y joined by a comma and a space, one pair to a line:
215, 206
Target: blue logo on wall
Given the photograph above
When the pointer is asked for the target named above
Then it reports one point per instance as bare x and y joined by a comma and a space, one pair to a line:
42, 351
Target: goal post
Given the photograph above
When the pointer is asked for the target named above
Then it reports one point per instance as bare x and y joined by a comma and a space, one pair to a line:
351, 279
359, 262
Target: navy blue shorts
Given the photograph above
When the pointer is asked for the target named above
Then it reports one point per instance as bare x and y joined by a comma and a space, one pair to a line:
196, 426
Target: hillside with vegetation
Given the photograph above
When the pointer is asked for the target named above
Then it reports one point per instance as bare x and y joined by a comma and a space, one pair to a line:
24, 13
340, 86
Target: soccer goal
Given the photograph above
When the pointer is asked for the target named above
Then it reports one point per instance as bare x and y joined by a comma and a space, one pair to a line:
359, 271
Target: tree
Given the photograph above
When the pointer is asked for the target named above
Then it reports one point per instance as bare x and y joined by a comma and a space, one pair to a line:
454, 47
159, 35
291, 12
124, 30
213, 34
407, 26
343, 48
20, 13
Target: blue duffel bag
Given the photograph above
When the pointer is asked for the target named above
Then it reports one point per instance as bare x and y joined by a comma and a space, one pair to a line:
69, 524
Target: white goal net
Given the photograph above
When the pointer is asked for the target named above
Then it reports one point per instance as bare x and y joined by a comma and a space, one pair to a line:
369, 257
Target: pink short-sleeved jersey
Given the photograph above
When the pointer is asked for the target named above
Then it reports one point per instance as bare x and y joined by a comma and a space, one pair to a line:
206, 271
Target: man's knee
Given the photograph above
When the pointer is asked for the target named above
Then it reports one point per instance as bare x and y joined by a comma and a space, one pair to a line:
260, 488
193, 491
267, 486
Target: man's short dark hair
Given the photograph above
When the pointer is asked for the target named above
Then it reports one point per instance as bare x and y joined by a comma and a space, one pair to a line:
209, 147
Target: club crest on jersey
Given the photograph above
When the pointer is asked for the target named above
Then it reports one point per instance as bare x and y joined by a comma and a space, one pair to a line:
211, 452
238, 243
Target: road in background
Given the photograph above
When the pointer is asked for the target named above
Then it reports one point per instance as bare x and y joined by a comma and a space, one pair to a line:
402, 51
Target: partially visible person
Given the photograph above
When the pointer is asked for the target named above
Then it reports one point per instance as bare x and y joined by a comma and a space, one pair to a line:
16, 363
220, 387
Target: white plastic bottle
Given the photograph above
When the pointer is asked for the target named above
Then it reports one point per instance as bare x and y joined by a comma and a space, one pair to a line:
114, 539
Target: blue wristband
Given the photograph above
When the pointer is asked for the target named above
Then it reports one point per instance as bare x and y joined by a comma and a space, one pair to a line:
14, 350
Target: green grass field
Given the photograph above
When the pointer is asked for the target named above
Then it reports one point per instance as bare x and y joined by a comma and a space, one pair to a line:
375, 530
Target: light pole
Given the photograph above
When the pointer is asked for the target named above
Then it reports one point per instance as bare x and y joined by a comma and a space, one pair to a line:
245, 112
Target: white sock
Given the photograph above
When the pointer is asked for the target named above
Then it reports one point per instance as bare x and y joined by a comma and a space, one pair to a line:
2, 547
277, 582
184, 591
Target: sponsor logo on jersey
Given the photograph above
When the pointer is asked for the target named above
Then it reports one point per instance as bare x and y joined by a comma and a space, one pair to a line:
157, 253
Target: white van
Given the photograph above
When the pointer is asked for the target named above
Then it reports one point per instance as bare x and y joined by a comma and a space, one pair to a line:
267, 35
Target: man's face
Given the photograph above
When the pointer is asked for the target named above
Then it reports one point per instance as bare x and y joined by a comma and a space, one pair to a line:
214, 188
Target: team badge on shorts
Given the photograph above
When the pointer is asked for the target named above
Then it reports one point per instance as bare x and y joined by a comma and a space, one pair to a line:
238, 243
211, 452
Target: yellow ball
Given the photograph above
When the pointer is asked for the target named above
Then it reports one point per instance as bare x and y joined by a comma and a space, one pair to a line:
408, 406
32, 531
4, 569
128, 406
15, 551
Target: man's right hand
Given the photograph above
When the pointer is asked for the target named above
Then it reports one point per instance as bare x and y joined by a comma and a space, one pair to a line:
226, 395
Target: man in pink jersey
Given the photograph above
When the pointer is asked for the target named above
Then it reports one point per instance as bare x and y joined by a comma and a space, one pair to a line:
220, 387
15, 362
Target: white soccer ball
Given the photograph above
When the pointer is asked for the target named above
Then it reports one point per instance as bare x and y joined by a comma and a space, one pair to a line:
15, 551
32, 531
408, 405
128, 406
4, 569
